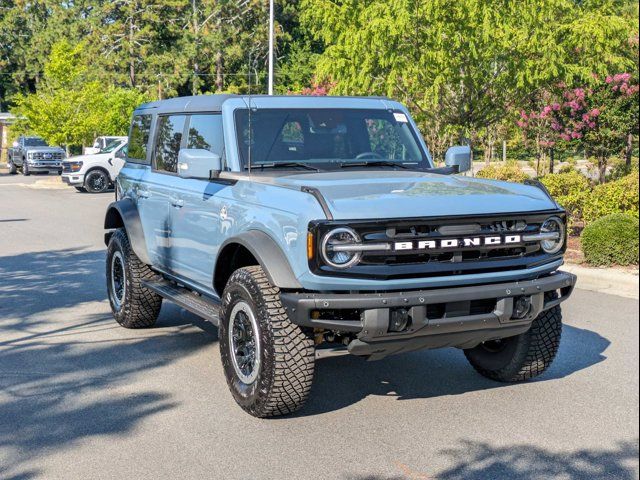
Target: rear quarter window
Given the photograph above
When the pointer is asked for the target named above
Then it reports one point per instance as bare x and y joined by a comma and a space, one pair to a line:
139, 138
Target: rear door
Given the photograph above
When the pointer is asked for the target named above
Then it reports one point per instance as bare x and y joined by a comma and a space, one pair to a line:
196, 225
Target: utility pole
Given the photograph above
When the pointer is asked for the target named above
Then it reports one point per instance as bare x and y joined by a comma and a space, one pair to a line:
271, 40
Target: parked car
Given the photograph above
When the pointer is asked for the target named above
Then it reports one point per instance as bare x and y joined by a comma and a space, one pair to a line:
97, 172
33, 154
100, 143
304, 226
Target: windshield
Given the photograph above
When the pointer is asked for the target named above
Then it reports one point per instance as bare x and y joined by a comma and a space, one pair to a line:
328, 138
111, 146
34, 142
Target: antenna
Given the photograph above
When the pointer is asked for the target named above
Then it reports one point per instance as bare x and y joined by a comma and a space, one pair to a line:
250, 130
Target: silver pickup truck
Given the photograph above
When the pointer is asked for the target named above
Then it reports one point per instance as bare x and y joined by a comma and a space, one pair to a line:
33, 154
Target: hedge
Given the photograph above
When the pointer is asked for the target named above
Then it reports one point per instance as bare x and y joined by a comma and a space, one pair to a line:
509, 172
571, 190
611, 240
619, 196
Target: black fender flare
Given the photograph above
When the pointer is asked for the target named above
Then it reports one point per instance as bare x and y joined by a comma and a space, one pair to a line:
268, 254
124, 214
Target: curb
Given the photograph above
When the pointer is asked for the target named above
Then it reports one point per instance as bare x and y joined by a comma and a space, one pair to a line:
605, 280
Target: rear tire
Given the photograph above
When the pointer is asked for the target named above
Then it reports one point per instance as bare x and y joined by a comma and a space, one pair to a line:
133, 305
96, 181
524, 356
268, 361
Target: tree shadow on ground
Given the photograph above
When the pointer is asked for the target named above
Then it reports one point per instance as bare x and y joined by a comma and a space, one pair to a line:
482, 461
32, 283
56, 390
343, 381
65, 375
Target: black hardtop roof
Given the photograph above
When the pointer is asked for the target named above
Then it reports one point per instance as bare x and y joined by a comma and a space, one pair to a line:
213, 103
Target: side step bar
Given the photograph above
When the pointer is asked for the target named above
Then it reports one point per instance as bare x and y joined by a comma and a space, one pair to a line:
204, 307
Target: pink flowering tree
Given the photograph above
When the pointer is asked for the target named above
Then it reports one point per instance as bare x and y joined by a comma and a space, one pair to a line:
318, 89
539, 131
599, 119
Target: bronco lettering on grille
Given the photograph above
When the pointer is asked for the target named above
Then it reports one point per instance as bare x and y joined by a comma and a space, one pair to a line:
466, 242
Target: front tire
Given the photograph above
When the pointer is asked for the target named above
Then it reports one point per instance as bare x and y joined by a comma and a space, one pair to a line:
133, 305
96, 181
25, 168
524, 356
268, 361
12, 168
81, 189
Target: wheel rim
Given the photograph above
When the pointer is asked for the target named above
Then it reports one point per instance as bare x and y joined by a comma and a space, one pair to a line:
118, 283
244, 342
97, 182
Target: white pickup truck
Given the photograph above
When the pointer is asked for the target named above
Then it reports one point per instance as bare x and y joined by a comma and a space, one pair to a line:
95, 173
100, 143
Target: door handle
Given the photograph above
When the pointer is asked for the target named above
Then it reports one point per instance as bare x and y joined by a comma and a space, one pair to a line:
176, 202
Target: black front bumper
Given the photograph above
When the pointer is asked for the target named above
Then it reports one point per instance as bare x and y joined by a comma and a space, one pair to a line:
456, 324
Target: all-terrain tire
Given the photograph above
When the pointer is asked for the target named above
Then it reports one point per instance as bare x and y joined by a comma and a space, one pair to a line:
25, 168
286, 352
137, 306
12, 167
524, 356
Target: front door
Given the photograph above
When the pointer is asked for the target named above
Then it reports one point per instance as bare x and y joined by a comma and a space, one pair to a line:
158, 186
198, 209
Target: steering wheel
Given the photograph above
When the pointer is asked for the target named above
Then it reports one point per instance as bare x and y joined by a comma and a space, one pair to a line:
363, 155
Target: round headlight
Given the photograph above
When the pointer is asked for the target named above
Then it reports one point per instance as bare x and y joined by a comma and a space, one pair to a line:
553, 225
335, 248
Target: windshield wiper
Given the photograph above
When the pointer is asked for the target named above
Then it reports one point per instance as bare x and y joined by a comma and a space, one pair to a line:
374, 163
283, 165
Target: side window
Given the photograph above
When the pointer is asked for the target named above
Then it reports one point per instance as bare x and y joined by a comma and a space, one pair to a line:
205, 131
168, 140
139, 138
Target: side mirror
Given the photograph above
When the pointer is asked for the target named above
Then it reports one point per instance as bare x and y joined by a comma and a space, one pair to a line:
122, 153
199, 163
16, 144
460, 157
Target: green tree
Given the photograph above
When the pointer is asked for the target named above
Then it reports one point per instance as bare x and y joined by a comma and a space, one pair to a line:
70, 107
461, 66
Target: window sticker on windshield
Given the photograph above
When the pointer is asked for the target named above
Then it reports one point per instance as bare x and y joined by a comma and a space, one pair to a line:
400, 117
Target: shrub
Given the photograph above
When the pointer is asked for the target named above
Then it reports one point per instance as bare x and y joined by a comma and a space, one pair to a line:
611, 240
570, 189
621, 169
619, 196
509, 172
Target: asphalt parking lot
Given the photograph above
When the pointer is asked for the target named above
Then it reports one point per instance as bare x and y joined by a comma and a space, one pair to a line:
81, 397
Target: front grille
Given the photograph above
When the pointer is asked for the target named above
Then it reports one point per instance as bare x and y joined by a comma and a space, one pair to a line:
437, 261
53, 156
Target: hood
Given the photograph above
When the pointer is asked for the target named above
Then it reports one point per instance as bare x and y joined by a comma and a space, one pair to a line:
90, 156
44, 149
397, 194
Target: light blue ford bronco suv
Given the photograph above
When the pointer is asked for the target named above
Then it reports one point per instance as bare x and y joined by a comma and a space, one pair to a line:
311, 226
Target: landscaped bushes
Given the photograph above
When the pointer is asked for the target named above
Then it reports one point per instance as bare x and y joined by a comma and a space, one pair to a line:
571, 190
619, 196
509, 171
611, 240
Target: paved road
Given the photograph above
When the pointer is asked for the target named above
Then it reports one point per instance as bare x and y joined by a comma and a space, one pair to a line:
81, 397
